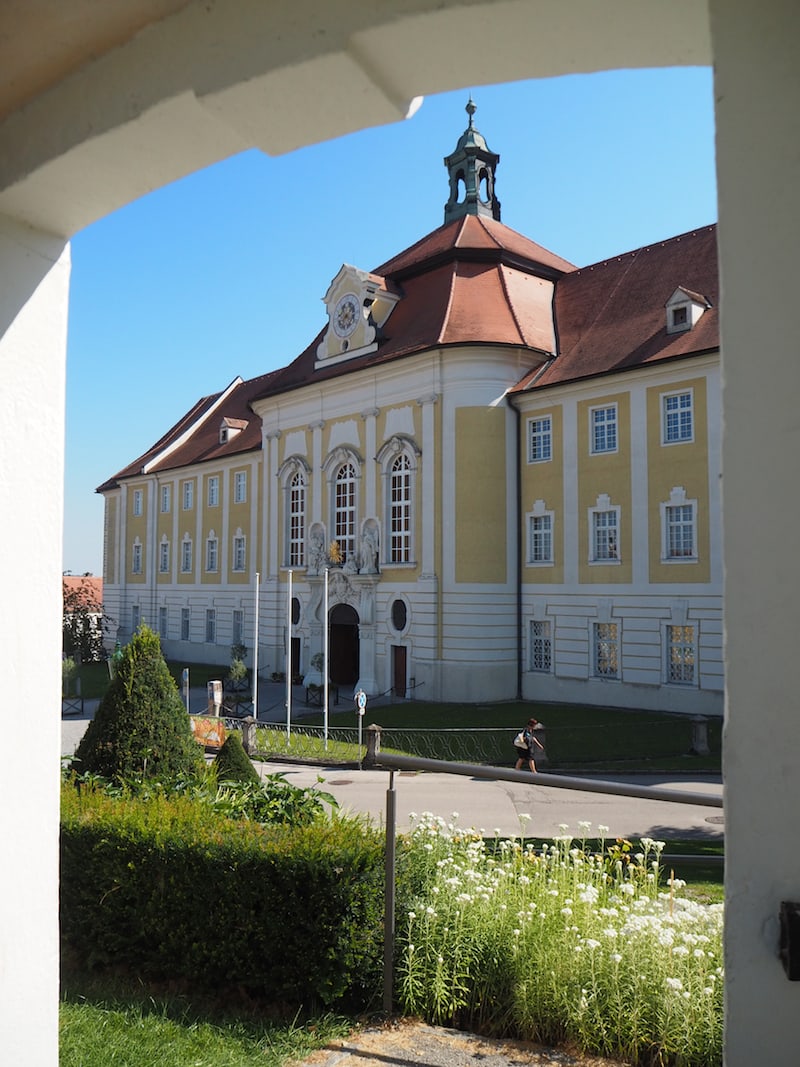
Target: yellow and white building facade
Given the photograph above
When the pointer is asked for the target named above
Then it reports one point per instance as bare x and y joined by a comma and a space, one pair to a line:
499, 472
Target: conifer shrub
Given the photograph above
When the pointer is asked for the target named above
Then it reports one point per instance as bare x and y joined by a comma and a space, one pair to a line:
233, 764
141, 729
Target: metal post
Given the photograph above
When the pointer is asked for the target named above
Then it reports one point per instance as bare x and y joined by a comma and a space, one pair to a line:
289, 660
326, 649
388, 912
255, 652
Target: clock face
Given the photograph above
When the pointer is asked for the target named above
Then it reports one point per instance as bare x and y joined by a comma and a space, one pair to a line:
345, 315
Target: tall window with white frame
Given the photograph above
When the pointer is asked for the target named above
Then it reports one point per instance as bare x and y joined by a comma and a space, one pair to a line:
186, 620
297, 519
239, 551
604, 429
540, 538
240, 487
136, 559
163, 557
677, 417
188, 496
136, 617
604, 535
166, 498
540, 439
541, 646
237, 636
212, 553
213, 491
162, 621
137, 501
344, 513
211, 626
606, 649
681, 655
400, 510
680, 524
186, 555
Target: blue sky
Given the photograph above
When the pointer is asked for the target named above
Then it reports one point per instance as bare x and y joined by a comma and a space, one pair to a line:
223, 272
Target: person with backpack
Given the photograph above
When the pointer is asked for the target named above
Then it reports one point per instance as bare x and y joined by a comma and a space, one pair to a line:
525, 744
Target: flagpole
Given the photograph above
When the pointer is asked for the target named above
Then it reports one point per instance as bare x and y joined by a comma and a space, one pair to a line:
325, 656
255, 651
289, 659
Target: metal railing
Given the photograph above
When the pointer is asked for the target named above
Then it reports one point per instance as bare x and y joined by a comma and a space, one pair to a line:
377, 758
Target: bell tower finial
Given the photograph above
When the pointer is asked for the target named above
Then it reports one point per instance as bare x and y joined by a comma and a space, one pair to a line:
471, 168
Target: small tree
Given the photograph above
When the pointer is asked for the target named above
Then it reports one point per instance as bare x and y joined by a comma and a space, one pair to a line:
84, 623
141, 729
233, 764
239, 651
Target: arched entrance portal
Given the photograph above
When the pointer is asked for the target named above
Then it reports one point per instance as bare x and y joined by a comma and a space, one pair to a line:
344, 645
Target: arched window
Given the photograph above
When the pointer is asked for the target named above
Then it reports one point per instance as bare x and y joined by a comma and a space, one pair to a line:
400, 510
297, 519
344, 511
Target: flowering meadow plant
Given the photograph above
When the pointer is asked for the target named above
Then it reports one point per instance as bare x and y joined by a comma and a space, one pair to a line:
561, 945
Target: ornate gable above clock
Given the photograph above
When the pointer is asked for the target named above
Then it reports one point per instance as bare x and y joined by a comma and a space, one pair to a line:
358, 305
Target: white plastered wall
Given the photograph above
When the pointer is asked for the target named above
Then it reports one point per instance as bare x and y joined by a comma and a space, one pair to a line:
208, 82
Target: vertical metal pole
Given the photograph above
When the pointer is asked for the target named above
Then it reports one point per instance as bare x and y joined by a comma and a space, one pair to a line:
255, 651
289, 660
388, 910
326, 650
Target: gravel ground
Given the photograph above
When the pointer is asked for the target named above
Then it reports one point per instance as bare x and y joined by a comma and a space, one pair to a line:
406, 1042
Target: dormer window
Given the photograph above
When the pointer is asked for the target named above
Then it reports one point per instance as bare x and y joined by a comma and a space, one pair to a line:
684, 309
229, 428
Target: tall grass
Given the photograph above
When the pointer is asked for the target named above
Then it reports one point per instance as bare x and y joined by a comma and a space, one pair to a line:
561, 944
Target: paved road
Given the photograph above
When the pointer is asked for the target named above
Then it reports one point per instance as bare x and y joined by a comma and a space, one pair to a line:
491, 805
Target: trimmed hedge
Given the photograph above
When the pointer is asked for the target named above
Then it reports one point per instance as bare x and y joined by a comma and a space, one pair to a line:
166, 888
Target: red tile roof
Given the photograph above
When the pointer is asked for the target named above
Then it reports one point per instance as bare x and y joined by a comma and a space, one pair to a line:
610, 316
476, 281
90, 588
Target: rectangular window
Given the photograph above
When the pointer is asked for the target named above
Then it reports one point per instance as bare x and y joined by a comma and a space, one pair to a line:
680, 655
162, 622
240, 487
541, 539
678, 420
239, 553
604, 429
136, 562
540, 439
238, 628
297, 521
186, 556
135, 618
680, 531
137, 501
166, 498
606, 650
400, 510
163, 557
605, 535
188, 496
186, 617
541, 647
213, 491
344, 513
211, 553
211, 626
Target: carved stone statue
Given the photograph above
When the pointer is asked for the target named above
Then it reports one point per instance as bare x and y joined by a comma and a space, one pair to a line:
368, 556
316, 549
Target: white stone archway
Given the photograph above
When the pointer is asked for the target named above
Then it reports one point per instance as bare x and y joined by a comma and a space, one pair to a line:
92, 117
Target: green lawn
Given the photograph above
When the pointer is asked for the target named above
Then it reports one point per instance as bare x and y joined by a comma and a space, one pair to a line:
110, 1020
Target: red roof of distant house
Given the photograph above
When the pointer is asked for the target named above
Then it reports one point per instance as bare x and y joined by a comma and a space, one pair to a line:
91, 587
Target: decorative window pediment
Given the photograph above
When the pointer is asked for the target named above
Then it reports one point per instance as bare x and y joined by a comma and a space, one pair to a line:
358, 305
684, 308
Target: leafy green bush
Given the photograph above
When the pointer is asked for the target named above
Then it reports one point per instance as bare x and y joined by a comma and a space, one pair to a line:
141, 729
169, 888
233, 764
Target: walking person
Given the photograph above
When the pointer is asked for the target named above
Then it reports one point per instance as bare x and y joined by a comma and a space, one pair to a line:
526, 742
